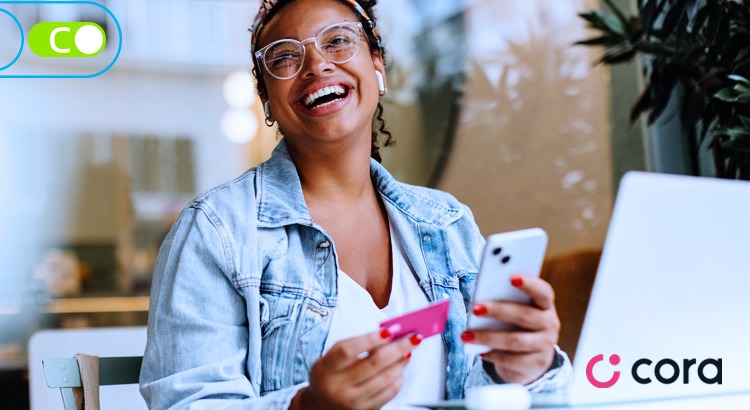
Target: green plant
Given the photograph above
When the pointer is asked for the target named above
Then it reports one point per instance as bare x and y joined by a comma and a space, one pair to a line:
698, 51
731, 142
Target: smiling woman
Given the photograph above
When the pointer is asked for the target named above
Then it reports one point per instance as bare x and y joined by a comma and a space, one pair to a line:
269, 289
281, 57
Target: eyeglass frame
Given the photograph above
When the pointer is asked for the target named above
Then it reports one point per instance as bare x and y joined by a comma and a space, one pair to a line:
260, 55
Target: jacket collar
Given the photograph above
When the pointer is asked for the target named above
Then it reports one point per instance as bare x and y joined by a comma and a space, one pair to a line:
281, 201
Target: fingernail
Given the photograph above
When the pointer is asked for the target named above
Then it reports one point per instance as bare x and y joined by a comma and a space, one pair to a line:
482, 355
407, 356
467, 336
385, 334
516, 281
415, 340
479, 309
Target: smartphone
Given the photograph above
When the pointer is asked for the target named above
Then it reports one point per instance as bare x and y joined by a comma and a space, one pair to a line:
505, 255
427, 321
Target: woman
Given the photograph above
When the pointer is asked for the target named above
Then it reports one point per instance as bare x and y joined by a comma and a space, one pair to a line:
268, 290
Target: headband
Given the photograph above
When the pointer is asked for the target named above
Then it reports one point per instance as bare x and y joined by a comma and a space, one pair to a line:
267, 5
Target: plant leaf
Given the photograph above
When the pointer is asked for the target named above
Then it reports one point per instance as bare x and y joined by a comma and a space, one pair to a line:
595, 22
657, 49
700, 20
618, 57
681, 31
713, 23
598, 41
643, 104
739, 143
739, 78
615, 25
649, 12
726, 95
742, 63
742, 54
742, 89
675, 15
619, 14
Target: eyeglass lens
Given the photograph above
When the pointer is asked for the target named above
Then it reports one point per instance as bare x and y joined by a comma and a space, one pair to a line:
338, 44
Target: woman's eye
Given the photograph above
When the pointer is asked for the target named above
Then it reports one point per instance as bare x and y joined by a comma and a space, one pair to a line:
340, 41
283, 60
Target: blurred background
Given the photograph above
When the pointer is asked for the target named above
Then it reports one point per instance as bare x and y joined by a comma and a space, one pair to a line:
488, 100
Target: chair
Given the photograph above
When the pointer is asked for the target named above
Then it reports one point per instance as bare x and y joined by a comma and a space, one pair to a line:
64, 374
119, 350
572, 277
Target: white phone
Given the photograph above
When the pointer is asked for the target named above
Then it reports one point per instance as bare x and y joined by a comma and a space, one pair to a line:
505, 255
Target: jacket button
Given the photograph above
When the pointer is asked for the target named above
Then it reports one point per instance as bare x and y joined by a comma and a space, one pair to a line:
426, 238
325, 244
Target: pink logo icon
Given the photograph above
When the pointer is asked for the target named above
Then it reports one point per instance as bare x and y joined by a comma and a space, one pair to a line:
614, 360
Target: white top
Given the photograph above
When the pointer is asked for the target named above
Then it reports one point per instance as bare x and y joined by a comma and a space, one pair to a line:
356, 314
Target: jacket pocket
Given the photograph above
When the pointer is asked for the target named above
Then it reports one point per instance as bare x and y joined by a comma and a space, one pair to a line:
279, 315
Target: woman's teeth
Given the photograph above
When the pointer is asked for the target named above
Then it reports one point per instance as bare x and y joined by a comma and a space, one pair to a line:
311, 98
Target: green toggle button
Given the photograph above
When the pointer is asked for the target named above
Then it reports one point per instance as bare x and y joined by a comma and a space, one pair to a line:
67, 39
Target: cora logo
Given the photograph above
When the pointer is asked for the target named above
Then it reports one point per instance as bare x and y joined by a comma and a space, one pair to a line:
666, 371
614, 360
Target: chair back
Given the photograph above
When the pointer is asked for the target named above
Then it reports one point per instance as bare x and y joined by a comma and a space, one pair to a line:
120, 350
63, 373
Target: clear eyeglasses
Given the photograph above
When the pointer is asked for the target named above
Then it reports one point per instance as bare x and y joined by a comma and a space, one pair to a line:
338, 43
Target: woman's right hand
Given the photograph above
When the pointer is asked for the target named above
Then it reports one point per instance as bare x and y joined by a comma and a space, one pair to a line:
362, 372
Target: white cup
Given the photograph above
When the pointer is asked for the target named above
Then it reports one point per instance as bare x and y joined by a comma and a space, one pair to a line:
498, 397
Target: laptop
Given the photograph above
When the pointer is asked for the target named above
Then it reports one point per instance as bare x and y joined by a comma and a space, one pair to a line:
669, 314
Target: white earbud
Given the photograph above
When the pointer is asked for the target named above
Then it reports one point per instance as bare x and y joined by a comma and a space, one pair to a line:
381, 83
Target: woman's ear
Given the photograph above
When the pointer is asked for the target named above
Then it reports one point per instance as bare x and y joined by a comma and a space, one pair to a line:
377, 61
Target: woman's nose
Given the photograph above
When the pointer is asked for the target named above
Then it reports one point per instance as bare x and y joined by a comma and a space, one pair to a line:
315, 63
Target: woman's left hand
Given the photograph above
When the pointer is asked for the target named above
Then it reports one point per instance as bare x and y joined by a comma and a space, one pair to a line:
523, 355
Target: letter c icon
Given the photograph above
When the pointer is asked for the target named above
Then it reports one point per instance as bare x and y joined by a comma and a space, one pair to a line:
52, 40
614, 360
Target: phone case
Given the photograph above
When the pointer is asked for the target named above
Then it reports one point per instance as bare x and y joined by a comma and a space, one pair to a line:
506, 254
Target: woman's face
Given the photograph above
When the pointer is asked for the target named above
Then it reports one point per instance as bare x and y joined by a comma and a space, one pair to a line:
329, 118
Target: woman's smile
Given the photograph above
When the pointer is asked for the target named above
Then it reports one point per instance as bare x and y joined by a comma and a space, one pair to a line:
325, 96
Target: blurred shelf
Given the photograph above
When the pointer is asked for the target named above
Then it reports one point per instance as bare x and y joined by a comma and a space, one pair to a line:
98, 305
12, 357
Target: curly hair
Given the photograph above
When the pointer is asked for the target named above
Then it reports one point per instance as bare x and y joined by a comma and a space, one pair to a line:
378, 124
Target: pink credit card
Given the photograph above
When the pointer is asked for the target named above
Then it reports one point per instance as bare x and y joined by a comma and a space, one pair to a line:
427, 321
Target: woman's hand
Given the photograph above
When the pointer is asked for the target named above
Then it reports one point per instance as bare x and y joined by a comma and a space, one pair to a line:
523, 355
363, 372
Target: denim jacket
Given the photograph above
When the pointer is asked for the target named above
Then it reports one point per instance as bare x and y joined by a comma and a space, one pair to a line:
245, 284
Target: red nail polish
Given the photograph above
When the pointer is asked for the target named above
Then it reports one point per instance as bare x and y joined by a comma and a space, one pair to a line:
516, 281
385, 334
468, 336
415, 340
407, 356
482, 355
479, 309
